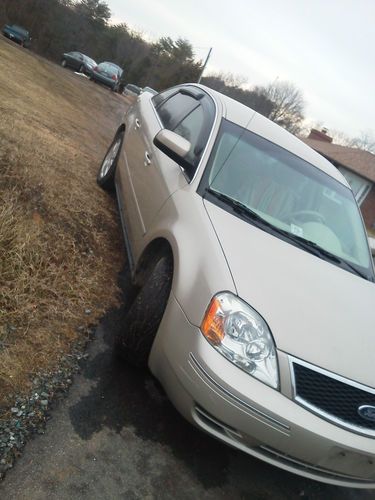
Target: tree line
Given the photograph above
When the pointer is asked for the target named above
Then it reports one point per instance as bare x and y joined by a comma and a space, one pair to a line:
59, 26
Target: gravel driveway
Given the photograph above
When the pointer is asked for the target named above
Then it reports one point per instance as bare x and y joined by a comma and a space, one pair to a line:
116, 436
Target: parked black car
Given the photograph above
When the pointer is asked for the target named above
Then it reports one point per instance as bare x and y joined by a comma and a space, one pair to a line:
78, 61
17, 34
107, 73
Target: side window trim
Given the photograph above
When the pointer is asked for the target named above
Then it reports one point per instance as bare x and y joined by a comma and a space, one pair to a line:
209, 105
180, 115
185, 116
157, 104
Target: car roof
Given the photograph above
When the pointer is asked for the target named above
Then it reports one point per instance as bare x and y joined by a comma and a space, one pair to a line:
111, 64
246, 117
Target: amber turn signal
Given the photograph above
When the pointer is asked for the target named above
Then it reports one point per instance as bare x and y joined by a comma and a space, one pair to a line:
213, 323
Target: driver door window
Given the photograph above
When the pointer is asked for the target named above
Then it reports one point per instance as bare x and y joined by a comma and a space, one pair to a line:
190, 117
175, 109
191, 129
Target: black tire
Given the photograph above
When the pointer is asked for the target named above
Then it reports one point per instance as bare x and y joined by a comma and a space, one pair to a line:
81, 69
143, 318
63, 63
106, 173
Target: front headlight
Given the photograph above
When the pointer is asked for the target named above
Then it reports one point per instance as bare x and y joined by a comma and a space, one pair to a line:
240, 334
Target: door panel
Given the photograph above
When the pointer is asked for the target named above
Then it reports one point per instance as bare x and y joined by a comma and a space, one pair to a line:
72, 60
130, 213
128, 206
153, 176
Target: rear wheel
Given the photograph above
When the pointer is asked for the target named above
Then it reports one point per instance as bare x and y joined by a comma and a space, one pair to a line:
142, 320
106, 174
81, 69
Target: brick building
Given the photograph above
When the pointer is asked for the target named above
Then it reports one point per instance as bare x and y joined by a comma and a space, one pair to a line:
356, 165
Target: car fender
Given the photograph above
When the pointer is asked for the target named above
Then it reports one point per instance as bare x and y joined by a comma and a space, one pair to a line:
200, 269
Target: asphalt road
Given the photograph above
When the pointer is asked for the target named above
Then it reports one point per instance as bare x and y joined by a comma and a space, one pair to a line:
116, 436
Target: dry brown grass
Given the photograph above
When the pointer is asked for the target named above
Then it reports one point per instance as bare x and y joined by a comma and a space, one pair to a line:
60, 244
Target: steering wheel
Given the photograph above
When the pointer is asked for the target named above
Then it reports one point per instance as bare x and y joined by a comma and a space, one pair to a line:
307, 215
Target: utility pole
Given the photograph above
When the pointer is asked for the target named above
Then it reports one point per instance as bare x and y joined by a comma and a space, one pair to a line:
204, 65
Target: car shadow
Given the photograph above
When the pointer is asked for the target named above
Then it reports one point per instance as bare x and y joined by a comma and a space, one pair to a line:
124, 397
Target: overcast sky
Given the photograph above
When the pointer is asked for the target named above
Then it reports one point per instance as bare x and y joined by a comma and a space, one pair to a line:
325, 47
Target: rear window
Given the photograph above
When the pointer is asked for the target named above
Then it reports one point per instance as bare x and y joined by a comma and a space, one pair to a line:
112, 69
89, 60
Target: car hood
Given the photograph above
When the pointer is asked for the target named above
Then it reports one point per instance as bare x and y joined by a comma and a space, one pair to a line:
316, 311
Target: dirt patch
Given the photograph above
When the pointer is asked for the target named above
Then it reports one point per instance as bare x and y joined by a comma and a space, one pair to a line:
60, 244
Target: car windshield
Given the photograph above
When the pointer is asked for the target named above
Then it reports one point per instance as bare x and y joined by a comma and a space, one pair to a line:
20, 30
289, 194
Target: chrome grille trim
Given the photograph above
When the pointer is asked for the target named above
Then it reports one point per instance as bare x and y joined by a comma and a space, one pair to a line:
318, 411
199, 368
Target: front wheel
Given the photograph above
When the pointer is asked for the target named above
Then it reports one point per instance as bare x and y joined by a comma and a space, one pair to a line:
81, 69
63, 63
106, 174
142, 320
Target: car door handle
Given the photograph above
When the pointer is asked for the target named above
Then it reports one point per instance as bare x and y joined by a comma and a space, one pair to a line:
137, 124
147, 159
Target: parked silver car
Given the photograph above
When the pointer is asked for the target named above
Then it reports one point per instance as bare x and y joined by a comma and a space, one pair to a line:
255, 285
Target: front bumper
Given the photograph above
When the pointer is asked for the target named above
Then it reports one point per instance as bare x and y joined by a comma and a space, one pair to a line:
238, 409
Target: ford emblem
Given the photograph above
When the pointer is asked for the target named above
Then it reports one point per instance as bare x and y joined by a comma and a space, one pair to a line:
367, 412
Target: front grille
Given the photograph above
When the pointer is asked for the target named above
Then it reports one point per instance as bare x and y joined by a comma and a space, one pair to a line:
333, 398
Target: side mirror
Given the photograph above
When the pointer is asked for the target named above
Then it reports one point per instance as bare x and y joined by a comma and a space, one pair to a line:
173, 145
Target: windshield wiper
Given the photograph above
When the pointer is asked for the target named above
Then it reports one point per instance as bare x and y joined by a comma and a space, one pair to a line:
326, 253
308, 245
240, 208
314, 246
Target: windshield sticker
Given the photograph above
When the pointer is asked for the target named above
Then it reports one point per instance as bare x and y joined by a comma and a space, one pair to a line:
298, 231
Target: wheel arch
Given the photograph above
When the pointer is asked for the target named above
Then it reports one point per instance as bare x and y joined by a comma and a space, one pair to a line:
156, 248
121, 128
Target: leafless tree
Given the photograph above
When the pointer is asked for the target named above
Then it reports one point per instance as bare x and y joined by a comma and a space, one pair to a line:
234, 86
307, 125
288, 104
365, 141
